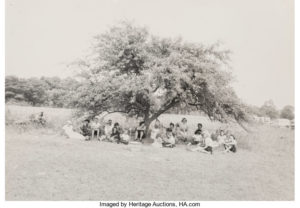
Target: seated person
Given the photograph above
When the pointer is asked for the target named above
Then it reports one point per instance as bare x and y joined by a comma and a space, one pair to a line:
197, 137
211, 142
182, 134
95, 126
214, 135
199, 128
177, 132
70, 133
230, 144
157, 142
205, 144
125, 137
107, 130
140, 131
157, 136
172, 127
155, 130
116, 133
221, 137
86, 129
168, 140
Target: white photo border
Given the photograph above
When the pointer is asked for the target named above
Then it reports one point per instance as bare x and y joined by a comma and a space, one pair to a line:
87, 204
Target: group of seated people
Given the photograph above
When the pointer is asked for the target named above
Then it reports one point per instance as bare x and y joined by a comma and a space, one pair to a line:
201, 140
204, 142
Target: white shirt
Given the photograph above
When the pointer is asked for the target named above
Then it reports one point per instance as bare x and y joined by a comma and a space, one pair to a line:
108, 130
197, 137
125, 137
72, 134
170, 140
95, 125
230, 140
209, 142
221, 139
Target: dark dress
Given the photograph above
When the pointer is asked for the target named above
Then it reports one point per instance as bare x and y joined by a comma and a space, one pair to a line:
140, 131
116, 133
85, 130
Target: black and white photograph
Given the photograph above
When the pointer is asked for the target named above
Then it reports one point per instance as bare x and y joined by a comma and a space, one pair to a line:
160, 101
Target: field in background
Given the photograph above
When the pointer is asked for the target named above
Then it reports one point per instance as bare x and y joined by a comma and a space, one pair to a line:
43, 165
57, 117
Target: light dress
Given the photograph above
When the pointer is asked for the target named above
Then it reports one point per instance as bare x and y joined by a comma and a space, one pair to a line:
68, 130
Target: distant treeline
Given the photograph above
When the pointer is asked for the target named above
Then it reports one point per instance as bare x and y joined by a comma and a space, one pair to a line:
44, 91
62, 93
268, 109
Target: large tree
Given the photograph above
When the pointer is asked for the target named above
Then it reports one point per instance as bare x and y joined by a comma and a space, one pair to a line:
132, 72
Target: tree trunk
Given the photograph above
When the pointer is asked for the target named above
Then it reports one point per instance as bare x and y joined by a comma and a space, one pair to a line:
147, 124
148, 120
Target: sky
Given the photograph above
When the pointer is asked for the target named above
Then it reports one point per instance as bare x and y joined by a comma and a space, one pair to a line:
44, 36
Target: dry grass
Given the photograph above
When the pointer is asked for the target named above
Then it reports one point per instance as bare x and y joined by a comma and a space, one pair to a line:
42, 165
56, 117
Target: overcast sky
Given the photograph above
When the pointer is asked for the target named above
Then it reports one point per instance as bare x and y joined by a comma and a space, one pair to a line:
42, 36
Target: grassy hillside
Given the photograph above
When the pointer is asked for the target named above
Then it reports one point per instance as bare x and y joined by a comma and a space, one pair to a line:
43, 165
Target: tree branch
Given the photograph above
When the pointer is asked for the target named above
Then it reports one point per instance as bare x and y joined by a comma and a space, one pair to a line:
173, 102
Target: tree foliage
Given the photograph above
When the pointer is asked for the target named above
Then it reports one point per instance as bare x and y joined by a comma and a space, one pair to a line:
269, 109
132, 72
287, 112
43, 91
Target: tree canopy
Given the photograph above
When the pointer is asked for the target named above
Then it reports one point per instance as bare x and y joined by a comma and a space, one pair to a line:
139, 74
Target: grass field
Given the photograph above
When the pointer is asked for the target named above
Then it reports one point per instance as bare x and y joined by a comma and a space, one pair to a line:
43, 165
